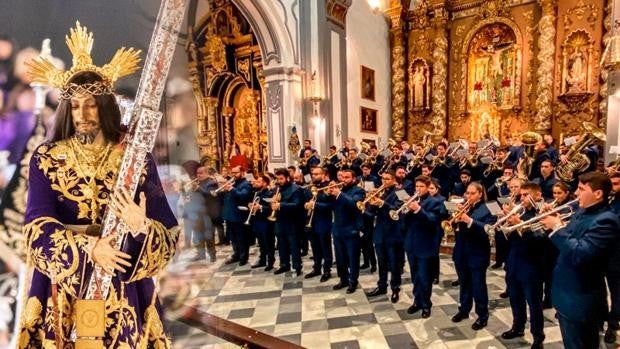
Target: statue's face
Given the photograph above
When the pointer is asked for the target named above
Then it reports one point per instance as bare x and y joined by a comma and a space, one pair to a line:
85, 115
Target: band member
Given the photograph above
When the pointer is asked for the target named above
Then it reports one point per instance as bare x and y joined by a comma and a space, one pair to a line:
613, 270
402, 182
368, 250
345, 230
443, 169
501, 244
421, 244
524, 269
585, 245
307, 147
236, 195
198, 223
434, 191
309, 160
551, 148
540, 155
321, 227
261, 226
300, 230
387, 238
355, 162
330, 162
547, 179
460, 187
289, 210
472, 256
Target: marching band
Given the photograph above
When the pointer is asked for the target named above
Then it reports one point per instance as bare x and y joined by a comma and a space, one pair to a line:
400, 203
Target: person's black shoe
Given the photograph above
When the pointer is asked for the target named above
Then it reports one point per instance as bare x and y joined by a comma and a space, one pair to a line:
373, 268
478, 325
325, 277
364, 266
512, 333
426, 313
376, 292
298, 272
538, 343
455, 283
242, 263
503, 294
231, 261
258, 265
281, 270
269, 268
339, 286
312, 274
458, 317
496, 266
351, 288
394, 298
435, 281
413, 309
610, 336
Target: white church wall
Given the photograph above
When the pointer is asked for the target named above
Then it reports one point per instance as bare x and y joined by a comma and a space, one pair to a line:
368, 45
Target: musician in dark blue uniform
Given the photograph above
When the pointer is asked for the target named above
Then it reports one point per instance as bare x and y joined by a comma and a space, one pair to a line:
443, 169
459, 188
387, 238
321, 227
237, 195
434, 191
585, 245
289, 209
421, 244
524, 270
346, 230
613, 268
471, 256
368, 249
261, 226
547, 179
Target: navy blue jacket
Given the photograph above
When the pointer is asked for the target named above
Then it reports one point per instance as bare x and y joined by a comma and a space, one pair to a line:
443, 174
347, 217
387, 230
240, 195
459, 189
585, 244
291, 208
546, 185
372, 178
614, 261
421, 237
472, 246
260, 223
525, 260
323, 211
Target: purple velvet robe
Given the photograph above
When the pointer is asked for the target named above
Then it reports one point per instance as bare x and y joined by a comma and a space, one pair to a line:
56, 196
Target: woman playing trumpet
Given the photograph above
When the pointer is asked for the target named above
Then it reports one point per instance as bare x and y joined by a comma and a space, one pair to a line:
472, 256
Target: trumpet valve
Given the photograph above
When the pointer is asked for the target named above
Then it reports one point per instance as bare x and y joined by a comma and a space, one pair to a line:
447, 227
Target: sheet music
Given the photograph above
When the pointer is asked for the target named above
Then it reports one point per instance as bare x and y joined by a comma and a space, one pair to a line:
402, 195
494, 208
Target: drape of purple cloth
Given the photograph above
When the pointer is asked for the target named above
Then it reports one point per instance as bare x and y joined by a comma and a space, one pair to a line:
15, 129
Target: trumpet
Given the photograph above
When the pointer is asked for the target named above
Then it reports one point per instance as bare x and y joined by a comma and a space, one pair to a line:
315, 192
276, 198
447, 224
361, 205
255, 200
395, 214
189, 186
534, 222
518, 210
221, 187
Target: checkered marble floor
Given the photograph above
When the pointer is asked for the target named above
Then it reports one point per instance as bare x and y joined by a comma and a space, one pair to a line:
311, 314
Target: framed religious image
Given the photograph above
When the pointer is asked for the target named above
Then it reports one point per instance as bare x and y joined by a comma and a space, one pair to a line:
368, 120
368, 83
370, 142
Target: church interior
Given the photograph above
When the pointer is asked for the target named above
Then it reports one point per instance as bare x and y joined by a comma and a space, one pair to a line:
261, 86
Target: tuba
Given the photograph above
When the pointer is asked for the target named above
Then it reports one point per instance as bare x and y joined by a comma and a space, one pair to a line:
529, 140
578, 162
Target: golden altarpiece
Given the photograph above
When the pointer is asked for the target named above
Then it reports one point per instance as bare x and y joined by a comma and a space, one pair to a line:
464, 68
225, 67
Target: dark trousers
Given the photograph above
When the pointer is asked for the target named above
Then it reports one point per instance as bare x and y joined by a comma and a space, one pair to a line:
435, 266
473, 286
368, 249
322, 251
237, 233
521, 292
422, 278
613, 282
579, 335
221, 232
303, 235
501, 247
389, 260
288, 246
266, 244
551, 256
347, 258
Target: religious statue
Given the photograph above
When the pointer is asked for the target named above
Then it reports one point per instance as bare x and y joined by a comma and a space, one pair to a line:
576, 75
418, 87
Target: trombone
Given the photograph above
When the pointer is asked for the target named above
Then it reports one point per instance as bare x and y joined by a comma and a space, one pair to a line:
395, 214
361, 205
534, 222
221, 187
446, 225
255, 200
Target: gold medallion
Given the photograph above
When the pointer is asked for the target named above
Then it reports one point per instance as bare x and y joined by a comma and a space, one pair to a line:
90, 317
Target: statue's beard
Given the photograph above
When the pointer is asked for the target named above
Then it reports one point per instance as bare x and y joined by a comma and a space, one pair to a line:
86, 132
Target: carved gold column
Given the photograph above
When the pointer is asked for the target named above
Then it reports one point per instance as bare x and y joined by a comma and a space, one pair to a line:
397, 46
544, 74
211, 149
440, 74
602, 107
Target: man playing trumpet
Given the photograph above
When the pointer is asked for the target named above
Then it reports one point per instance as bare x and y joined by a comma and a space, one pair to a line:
236, 193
